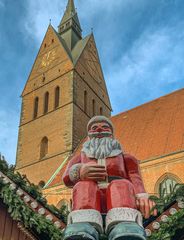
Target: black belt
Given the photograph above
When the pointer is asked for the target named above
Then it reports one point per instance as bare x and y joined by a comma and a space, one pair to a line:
111, 178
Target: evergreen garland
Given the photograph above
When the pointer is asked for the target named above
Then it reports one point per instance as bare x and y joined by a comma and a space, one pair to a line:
168, 230
32, 189
176, 221
19, 211
176, 194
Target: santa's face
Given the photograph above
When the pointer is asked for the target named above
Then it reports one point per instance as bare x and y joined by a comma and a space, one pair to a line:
100, 130
101, 143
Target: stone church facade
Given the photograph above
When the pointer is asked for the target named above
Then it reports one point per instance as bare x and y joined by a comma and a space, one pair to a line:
65, 88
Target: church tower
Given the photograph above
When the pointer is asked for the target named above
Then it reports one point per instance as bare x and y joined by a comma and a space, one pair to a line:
65, 88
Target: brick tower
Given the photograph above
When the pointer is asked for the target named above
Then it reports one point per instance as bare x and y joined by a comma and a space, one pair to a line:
64, 90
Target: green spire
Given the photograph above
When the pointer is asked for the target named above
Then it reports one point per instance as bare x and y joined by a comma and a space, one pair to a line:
69, 27
70, 11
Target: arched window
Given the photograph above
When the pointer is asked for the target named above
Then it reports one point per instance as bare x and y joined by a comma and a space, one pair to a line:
166, 186
101, 111
85, 101
46, 102
57, 95
43, 147
93, 107
63, 203
35, 113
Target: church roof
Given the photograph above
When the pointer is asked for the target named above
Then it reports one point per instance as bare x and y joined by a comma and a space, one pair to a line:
153, 129
76, 52
148, 131
79, 47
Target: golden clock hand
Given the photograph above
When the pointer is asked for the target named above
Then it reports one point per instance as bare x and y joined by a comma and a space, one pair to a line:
48, 55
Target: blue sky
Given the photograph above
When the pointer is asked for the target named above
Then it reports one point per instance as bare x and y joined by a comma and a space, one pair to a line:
140, 43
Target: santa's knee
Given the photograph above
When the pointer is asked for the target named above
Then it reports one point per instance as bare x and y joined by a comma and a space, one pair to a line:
120, 193
86, 196
122, 184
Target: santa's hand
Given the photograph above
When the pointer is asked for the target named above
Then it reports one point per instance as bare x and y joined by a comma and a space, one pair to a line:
146, 205
93, 172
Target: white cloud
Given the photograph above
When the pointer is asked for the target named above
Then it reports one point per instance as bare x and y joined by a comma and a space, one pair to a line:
148, 68
39, 14
8, 134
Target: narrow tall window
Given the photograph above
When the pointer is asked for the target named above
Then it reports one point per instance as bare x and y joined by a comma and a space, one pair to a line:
57, 95
35, 113
43, 147
101, 111
85, 101
93, 107
46, 102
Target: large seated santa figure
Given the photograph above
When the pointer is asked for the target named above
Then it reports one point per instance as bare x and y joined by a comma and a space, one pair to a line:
105, 181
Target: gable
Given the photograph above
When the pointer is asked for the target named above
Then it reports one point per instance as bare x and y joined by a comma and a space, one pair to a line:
90, 62
52, 54
90, 59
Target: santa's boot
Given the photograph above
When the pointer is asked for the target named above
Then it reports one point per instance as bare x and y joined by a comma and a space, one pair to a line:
124, 224
83, 224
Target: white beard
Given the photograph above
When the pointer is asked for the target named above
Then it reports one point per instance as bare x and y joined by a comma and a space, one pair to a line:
101, 148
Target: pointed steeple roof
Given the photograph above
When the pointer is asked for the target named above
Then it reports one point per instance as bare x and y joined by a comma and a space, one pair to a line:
69, 27
70, 12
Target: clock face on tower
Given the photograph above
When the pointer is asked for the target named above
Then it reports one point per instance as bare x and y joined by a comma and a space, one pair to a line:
48, 58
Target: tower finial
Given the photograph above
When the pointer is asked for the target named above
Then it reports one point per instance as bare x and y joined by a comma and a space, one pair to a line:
69, 27
70, 12
70, 6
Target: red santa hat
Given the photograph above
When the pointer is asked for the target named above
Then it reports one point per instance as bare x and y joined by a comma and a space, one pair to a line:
97, 119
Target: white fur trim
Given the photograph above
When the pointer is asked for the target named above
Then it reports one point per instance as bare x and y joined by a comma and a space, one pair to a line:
117, 215
142, 195
87, 215
74, 173
97, 119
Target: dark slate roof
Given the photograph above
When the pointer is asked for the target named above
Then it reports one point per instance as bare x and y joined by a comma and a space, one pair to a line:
79, 47
77, 50
70, 13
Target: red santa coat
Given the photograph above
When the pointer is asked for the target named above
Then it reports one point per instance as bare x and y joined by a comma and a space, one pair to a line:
120, 192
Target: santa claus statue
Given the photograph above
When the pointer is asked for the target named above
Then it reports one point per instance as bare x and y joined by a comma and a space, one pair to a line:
106, 182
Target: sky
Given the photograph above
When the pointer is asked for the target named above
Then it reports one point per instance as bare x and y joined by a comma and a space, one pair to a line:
140, 43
